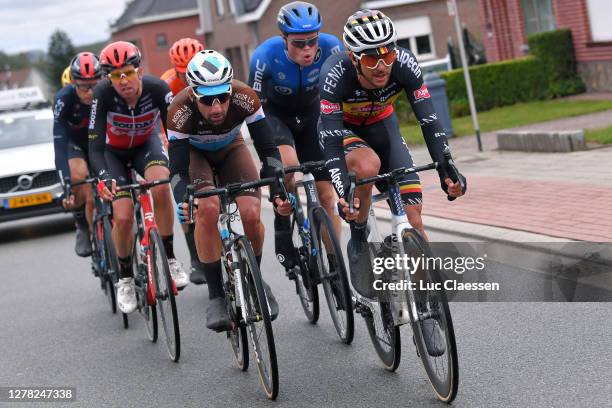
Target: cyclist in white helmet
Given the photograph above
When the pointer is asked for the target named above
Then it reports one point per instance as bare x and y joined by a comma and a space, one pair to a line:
204, 136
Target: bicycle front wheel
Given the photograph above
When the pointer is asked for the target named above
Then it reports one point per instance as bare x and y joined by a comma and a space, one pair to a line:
237, 336
433, 331
165, 292
257, 317
147, 311
332, 272
305, 287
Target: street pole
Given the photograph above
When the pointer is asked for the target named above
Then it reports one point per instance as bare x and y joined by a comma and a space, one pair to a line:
453, 11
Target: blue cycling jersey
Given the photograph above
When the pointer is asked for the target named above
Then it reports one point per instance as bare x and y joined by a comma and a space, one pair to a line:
281, 83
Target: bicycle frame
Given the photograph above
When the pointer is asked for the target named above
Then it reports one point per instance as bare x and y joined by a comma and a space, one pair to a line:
312, 202
144, 203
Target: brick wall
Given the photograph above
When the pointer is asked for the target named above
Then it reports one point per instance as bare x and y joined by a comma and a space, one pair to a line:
503, 29
155, 59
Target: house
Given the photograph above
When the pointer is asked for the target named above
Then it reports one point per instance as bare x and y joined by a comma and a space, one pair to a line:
154, 25
23, 78
236, 27
506, 24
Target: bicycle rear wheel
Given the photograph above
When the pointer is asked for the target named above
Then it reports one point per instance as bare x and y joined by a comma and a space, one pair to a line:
440, 363
165, 292
257, 318
384, 334
305, 287
333, 277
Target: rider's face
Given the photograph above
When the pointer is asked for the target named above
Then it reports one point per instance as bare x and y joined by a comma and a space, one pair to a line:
84, 89
376, 76
214, 113
126, 80
302, 48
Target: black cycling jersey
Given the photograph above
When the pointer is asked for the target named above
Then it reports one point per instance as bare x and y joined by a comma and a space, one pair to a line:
71, 119
345, 101
115, 125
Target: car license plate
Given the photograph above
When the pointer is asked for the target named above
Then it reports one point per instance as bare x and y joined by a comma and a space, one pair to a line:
29, 200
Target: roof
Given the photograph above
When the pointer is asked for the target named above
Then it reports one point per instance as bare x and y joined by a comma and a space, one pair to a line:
142, 11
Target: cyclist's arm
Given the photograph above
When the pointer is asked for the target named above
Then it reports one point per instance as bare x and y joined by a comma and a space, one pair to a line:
163, 102
178, 152
60, 137
97, 132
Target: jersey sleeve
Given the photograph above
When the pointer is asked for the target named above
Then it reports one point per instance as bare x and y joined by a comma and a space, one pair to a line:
331, 130
164, 98
411, 77
97, 128
180, 114
259, 73
60, 134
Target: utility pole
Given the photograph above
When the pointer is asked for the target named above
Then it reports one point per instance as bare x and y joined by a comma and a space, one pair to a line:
454, 12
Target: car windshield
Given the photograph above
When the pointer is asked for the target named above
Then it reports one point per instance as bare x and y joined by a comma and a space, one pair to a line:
26, 130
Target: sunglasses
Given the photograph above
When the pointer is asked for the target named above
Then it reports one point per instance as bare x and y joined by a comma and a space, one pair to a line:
372, 61
301, 44
209, 100
116, 77
85, 87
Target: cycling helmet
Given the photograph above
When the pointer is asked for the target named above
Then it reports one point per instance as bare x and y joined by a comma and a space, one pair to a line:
85, 66
182, 51
119, 54
369, 31
299, 17
66, 77
209, 73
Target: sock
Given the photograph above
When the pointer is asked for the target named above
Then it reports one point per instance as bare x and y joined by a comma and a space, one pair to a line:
79, 217
358, 231
125, 267
212, 271
281, 222
193, 253
169, 245
258, 258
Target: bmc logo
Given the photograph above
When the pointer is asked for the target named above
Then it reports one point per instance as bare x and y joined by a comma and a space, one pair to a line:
328, 107
421, 93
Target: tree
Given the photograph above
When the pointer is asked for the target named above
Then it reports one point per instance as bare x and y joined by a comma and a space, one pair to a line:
61, 51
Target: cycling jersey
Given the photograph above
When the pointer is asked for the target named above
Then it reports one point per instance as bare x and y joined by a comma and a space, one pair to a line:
174, 82
344, 101
281, 82
187, 127
114, 124
71, 119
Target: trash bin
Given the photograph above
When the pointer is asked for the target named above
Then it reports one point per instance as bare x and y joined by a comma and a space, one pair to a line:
437, 91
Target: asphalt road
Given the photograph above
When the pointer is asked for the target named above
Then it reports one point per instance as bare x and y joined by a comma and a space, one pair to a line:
57, 330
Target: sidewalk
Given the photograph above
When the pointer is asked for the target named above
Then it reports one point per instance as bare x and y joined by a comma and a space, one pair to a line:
567, 195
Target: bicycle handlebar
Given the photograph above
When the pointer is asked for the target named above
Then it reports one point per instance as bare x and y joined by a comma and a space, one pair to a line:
144, 185
306, 167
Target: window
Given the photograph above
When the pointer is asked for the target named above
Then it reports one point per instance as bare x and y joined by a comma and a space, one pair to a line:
538, 16
415, 35
220, 8
161, 40
599, 18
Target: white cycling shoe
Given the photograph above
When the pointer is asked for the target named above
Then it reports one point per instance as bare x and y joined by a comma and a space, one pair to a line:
126, 295
181, 279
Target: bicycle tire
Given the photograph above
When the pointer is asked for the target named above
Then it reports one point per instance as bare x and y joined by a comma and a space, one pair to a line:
111, 270
237, 336
255, 297
339, 301
304, 287
385, 336
165, 290
444, 384
147, 312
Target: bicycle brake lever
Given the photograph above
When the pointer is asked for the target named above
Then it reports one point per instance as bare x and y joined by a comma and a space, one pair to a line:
351, 194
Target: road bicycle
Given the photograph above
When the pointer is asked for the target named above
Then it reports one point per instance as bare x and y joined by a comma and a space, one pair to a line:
319, 256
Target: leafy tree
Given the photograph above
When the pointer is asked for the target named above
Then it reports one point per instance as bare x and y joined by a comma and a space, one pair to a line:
60, 52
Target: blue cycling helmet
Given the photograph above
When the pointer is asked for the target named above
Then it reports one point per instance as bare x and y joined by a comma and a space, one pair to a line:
299, 17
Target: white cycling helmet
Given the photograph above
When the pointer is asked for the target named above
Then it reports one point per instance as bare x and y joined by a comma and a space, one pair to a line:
209, 73
369, 31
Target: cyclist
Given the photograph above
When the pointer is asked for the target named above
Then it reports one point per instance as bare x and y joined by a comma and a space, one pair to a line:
65, 80
204, 123
285, 74
360, 130
125, 114
181, 53
71, 109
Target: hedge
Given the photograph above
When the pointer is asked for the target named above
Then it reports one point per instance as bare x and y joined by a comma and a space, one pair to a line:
549, 72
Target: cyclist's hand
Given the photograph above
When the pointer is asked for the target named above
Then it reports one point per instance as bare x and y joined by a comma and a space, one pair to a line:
104, 192
282, 207
68, 203
182, 212
344, 210
453, 189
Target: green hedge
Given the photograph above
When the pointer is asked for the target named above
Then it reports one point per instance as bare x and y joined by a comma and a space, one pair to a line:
549, 72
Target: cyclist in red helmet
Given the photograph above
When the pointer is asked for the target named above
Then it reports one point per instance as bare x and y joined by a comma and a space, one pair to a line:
124, 128
180, 54
72, 105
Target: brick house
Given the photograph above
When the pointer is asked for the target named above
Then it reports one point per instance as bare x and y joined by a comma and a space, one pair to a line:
507, 23
154, 25
236, 27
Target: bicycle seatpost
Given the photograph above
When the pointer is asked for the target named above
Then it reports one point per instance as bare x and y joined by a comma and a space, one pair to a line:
351, 195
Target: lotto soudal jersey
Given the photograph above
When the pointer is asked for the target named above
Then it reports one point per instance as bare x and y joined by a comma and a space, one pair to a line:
115, 124
284, 84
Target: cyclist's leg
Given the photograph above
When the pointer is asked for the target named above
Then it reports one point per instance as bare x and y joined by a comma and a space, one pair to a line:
83, 202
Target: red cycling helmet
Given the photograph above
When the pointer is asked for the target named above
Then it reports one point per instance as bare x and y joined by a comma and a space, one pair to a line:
182, 51
85, 66
119, 54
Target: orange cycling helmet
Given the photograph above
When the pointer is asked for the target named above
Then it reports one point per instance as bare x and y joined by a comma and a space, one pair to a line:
119, 54
182, 51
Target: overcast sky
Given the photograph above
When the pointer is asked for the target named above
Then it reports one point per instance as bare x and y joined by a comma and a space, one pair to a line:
27, 24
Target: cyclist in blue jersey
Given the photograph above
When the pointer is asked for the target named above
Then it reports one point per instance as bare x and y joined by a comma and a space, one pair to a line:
285, 74
71, 109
